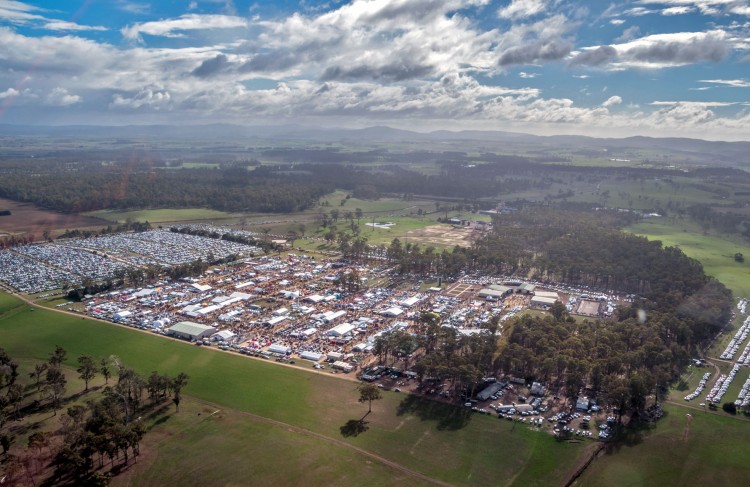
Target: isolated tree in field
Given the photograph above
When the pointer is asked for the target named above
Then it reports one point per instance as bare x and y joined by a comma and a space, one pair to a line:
368, 393
15, 397
87, 368
177, 384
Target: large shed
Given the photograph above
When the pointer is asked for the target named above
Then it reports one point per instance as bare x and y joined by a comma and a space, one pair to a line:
191, 331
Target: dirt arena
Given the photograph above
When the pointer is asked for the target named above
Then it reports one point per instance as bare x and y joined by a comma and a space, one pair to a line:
27, 218
461, 290
444, 235
590, 308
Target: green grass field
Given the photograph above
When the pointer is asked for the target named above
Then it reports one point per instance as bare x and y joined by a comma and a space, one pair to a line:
8, 302
443, 442
161, 215
711, 450
716, 253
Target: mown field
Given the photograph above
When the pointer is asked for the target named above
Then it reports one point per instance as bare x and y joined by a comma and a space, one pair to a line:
707, 449
442, 442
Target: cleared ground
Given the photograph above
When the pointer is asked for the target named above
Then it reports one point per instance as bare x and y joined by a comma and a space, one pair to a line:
29, 218
444, 235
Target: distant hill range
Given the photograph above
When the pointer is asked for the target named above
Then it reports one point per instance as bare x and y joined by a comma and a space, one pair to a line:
717, 152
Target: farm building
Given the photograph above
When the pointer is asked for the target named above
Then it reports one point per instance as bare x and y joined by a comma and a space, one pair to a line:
526, 288
224, 335
537, 389
342, 366
488, 391
546, 294
281, 349
583, 403
335, 355
341, 330
495, 292
393, 312
543, 301
330, 316
275, 321
314, 356
408, 303
191, 331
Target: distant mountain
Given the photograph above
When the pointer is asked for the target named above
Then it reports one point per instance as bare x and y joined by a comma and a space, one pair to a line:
717, 152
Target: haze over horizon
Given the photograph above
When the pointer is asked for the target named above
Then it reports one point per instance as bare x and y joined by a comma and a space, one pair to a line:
643, 67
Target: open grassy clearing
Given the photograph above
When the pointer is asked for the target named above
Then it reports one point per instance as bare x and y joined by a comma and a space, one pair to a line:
710, 449
440, 441
161, 215
716, 253
8, 302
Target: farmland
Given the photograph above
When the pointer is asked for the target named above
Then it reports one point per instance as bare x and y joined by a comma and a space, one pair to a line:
706, 449
27, 218
716, 253
161, 215
439, 441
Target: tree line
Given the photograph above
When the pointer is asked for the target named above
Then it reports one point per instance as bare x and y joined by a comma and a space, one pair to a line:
94, 438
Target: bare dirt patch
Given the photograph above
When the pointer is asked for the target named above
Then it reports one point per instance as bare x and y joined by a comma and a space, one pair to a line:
445, 235
27, 218
587, 307
460, 290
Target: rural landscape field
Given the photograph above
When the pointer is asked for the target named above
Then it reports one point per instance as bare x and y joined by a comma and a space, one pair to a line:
374, 242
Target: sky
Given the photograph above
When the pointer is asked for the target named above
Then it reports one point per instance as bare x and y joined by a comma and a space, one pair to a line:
620, 68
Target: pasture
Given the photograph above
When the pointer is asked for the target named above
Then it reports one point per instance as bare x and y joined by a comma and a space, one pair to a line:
716, 253
440, 441
161, 215
707, 449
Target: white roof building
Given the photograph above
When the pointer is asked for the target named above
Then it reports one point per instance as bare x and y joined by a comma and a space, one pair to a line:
341, 330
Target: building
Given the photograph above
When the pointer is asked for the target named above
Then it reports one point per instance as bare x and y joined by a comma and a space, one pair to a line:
537, 389
341, 330
495, 292
190, 331
543, 301
583, 403
490, 390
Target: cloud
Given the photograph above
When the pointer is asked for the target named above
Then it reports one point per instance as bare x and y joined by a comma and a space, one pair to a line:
705, 7
617, 21
734, 83
522, 9
677, 11
543, 50
611, 101
60, 97
152, 97
594, 56
174, 27
133, 7
629, 34
525, 75
71, 26
9, 93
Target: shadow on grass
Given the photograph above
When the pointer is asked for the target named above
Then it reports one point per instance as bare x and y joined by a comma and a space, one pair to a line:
632, 435
448, 417
354, 427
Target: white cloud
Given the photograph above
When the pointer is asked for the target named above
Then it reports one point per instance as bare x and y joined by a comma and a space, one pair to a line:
705, 7
174, 27
699, 104
734, 83
133, 7
677, 11
522, 9
611, 101
9, 93
617, 21
60, 97
71, 26
525, 75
